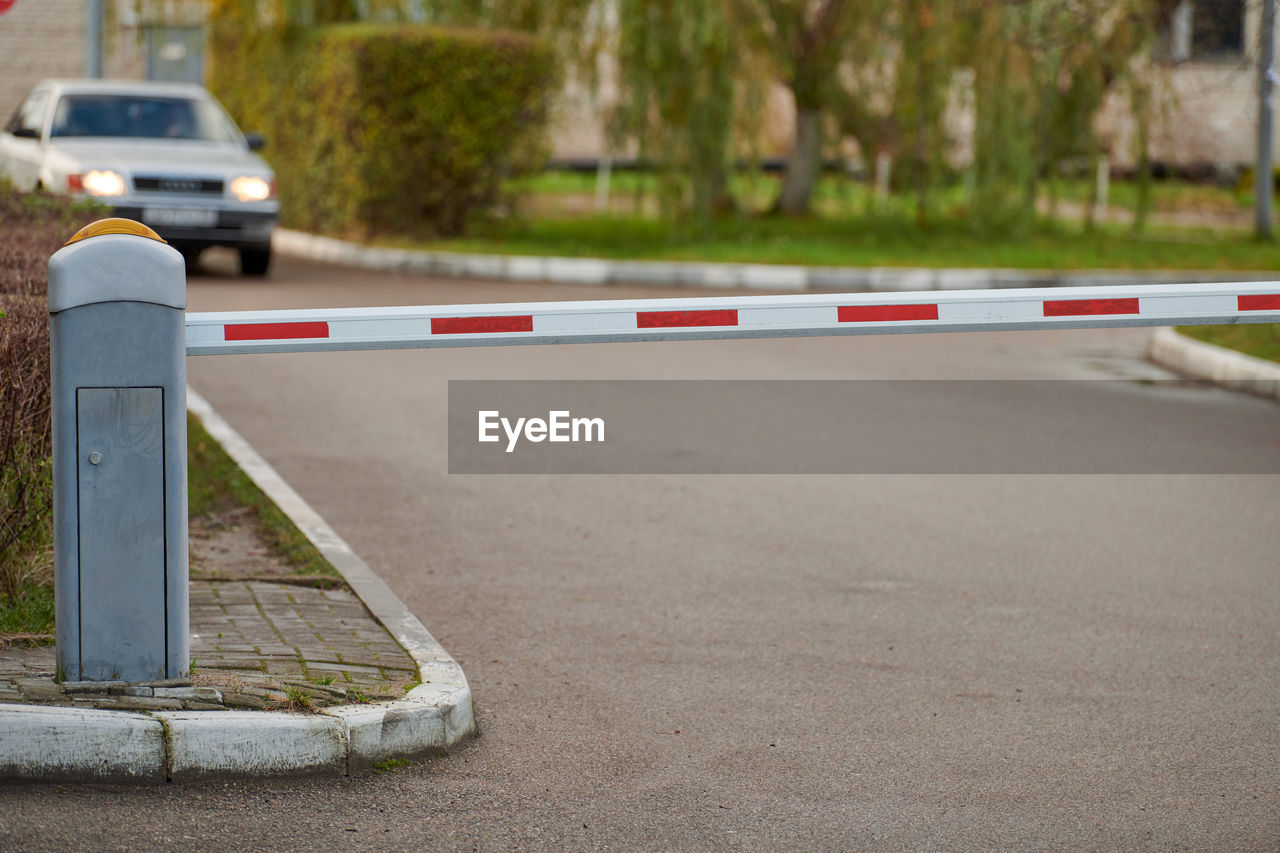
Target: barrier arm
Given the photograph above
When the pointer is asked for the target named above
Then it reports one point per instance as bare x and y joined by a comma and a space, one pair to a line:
508, 324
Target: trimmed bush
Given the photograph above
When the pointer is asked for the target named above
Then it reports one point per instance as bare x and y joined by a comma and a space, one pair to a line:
26, 487
35, 226
388, 129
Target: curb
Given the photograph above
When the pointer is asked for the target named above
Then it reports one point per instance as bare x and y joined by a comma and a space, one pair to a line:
73, 744
772, 277
1224, 367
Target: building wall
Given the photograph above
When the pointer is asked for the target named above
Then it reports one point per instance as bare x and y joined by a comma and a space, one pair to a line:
46, 38
38, 39
1205, 115
1210, 116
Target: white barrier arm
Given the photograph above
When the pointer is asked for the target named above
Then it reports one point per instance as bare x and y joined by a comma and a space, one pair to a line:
731, 317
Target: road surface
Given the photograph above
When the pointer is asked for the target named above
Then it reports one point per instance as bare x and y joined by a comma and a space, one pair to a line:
995, 661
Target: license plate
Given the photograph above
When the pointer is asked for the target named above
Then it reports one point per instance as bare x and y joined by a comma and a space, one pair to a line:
180, 217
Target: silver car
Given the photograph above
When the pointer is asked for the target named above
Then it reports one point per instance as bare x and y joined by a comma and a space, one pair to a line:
165, 154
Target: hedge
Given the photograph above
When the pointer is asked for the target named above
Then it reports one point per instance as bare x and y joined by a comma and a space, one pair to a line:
35, 226
387, 129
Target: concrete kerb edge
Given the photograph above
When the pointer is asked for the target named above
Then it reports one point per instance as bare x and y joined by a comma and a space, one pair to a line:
715, 276
433, 717
72, 744
1224, 367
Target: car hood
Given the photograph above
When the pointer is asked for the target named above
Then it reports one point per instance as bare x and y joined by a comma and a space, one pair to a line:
134, 155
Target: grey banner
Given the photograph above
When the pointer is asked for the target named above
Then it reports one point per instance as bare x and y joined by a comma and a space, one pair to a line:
858, 427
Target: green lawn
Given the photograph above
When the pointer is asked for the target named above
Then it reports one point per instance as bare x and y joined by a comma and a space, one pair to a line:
1261, 340
885, 240
1193, 226
844, 196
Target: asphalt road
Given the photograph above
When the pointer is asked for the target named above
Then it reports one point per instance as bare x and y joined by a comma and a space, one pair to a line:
994, 661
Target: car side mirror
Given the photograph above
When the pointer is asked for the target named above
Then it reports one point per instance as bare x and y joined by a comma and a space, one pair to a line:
26, 133
256, 141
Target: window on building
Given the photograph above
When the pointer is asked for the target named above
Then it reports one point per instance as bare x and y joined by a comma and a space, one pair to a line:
1217, 29
1202, 30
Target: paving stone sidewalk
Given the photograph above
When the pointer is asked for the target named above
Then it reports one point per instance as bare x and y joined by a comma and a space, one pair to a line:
257, 645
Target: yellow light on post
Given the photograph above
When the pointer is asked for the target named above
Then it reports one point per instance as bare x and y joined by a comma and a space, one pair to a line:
114, 225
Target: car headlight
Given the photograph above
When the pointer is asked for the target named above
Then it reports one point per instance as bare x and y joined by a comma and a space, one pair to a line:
101, 182
252, 188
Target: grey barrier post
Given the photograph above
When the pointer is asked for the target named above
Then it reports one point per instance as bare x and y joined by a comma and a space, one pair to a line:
117, 300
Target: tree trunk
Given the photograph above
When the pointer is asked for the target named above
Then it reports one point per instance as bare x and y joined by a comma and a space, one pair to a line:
803, 164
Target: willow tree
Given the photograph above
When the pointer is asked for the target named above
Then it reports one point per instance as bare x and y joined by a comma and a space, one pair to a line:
1042, 69
922, 85
678, 62
812, 44
677, 66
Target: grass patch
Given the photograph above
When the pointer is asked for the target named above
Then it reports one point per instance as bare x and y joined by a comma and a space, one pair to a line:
392, 764
216, 484
1260, 340
851, 226
1165, 195
889, 240
28, 612
845, 195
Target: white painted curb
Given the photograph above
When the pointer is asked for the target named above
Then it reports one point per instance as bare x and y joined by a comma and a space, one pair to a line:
1225, 367
209, 743
773, 277
52, 743
80, 743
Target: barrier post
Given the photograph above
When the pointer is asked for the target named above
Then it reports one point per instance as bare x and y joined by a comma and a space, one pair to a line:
117, 300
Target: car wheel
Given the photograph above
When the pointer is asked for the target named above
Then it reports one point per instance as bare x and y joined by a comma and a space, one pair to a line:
255, 262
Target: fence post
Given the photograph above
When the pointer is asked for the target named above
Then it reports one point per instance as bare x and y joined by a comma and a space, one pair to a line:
117, 300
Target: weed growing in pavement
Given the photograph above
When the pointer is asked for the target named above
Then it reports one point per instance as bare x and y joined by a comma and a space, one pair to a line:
298, 699
391, 764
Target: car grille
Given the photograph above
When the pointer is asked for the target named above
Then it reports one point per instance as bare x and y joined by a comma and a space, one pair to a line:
186, 186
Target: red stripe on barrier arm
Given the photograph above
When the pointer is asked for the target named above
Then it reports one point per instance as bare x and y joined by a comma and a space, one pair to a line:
885, 313
274, 331
1088, 307
478, 325
667, 319
1259, 302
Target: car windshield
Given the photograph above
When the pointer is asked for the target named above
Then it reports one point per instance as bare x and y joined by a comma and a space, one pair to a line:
140, 116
